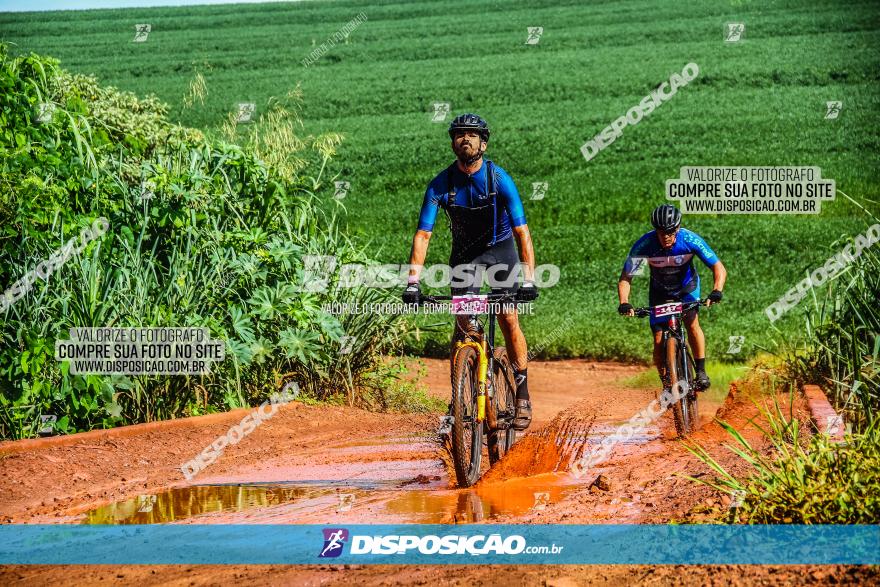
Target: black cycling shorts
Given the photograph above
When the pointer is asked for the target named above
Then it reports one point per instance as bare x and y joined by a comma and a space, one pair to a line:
498, 266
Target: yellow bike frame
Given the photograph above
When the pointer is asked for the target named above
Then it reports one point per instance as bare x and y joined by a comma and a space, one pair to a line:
482, 371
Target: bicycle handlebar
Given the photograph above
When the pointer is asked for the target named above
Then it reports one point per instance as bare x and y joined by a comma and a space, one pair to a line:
502, 297
646, 311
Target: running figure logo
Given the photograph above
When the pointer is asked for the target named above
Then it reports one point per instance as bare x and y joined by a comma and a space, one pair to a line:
342, 188
539, 189
141, 32
735, 32
736, 344
535, 33
441, 111
334, 540
833, 109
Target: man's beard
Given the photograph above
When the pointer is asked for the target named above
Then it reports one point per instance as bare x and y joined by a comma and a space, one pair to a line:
469, 160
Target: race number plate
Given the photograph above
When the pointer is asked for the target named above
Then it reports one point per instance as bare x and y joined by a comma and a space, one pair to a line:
470, 304
667, 310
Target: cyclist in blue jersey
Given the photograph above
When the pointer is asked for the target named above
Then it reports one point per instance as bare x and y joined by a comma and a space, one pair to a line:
669, 251
485, 217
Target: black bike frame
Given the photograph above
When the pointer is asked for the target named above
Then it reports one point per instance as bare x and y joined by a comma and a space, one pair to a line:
679, 332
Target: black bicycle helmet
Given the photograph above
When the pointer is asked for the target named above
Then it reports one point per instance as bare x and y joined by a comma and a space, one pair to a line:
666, 218
469, 122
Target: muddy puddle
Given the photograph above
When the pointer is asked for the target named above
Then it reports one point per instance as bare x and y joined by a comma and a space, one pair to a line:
379, 481
296, 503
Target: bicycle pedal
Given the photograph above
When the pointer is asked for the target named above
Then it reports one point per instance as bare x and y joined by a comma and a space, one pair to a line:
445, 425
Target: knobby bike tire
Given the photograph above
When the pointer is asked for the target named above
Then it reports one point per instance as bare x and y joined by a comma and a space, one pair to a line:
691, 398
500, 441
672, 371
466, 451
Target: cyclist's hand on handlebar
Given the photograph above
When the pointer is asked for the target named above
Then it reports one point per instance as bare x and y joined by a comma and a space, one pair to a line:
528, 292
626, 309
714, 297
412, 294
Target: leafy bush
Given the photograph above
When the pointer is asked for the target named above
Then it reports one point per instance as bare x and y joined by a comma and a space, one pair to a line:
841, 345
805, 480
201, 233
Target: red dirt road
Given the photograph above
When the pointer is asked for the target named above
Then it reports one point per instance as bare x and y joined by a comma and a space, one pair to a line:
336, 465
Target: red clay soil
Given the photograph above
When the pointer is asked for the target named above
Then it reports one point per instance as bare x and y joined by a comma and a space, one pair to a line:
400, 460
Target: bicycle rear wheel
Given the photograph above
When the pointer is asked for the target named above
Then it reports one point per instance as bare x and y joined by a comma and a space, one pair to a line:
467, 433
500, 441
673, 373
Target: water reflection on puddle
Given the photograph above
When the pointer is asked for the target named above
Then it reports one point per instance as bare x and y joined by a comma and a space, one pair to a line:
516, 497
187, 502
510, 498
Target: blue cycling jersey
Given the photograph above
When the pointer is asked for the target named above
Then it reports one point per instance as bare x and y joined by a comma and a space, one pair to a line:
477, 220
672, 272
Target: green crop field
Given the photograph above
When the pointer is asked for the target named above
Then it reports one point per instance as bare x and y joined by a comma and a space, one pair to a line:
759, 101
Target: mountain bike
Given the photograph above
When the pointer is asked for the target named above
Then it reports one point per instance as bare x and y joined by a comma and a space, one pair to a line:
483, 388
679, 362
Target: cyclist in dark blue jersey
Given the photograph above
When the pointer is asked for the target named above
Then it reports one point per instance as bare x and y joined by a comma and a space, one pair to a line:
669, 251
486, 217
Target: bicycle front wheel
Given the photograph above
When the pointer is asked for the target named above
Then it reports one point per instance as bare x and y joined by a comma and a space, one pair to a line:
467, 433
500, 441
674, 374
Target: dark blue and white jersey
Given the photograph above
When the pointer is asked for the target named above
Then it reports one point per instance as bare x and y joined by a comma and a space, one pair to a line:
482, 211
672, 270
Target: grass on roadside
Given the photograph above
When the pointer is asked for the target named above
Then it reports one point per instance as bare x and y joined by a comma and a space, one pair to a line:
806, 479
721, 374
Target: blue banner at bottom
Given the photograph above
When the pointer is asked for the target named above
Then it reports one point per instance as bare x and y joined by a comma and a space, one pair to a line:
438, 544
